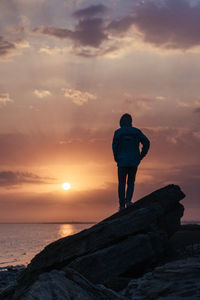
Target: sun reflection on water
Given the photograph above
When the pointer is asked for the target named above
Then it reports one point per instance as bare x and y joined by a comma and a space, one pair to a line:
66, 229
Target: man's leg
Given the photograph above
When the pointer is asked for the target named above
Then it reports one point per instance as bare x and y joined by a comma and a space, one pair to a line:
122, 173
130, 184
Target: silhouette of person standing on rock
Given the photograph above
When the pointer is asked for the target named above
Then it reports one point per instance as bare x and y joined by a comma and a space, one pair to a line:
127, 154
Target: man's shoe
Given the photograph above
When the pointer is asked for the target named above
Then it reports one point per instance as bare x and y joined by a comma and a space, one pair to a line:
121, 208
129, 204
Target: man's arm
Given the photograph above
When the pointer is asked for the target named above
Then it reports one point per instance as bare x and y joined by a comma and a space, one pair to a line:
145, 145
115, 146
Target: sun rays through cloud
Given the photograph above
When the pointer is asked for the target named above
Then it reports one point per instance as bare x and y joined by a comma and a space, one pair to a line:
69, 70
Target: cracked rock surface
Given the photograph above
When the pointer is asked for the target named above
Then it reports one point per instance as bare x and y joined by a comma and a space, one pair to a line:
176, 280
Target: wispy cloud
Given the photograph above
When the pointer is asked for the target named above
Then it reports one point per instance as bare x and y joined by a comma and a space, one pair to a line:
195, 105
10, 178
121, 25
42, 93
90, 11
141, 102
78, 97
5, 98
12, 48
56, 50
6, 47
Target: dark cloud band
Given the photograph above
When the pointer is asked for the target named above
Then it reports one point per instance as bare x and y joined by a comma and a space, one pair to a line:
90, 11
88, 32
171, 24
6, 47
10, 178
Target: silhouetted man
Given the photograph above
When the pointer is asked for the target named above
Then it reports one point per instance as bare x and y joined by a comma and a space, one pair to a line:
126, 151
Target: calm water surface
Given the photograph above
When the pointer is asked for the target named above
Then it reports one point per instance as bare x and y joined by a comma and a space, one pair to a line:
19, 243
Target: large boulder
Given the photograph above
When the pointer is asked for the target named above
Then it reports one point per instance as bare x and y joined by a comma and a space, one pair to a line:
119, 246
175, 280
68, 285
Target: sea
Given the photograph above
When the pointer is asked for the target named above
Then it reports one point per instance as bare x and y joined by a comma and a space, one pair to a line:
19, 243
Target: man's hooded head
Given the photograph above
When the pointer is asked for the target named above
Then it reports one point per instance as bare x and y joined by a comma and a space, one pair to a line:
126, 120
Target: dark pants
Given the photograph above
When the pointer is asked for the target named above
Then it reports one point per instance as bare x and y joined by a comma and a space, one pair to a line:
126, 175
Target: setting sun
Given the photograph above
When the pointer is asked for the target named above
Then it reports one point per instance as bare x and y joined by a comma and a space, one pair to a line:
66, 186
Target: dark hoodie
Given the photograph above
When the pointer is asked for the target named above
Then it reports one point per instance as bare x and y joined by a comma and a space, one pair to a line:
126, 145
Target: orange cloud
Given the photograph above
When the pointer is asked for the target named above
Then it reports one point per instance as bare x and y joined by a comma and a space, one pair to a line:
5, 98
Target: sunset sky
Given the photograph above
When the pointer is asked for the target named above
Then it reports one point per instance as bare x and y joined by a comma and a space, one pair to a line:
68, 70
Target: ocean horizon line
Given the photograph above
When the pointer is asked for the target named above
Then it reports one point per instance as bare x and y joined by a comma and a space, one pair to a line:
89, 222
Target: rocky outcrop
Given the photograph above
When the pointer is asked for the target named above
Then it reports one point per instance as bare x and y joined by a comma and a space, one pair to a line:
9, 274
66, 285
175, 280
123, 245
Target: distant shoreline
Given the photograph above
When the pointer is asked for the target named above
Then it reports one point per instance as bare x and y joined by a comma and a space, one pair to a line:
90, 222
48, 223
